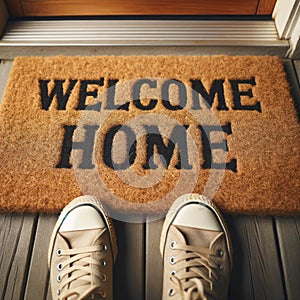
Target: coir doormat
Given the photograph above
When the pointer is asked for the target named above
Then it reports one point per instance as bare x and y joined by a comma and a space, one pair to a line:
139, 132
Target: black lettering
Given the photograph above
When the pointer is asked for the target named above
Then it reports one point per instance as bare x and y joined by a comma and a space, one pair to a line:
62, 98
111, 92
136, 94
217, 88
87, 146
237, 95
130, 147
178, 136
83, 93
208, 146
166, 96
64, 161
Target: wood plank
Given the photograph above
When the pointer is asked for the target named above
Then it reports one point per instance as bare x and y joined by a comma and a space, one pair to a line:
288, 230
14, 8
192, 7
16, 238
154, 262
134, 7
294, 82
129, 267
265, 7
5, 67
38, 277
297, 67
256, 268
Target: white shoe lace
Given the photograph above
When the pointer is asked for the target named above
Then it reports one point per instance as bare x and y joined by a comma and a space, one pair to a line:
83, 269
193, 267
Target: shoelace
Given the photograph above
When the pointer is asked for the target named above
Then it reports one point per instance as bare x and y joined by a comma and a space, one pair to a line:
192, 266
78, 267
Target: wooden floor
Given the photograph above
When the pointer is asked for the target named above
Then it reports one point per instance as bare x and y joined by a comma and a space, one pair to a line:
129, 7
266, 250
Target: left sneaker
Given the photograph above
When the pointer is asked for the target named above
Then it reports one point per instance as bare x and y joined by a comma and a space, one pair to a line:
82, 251
196, 250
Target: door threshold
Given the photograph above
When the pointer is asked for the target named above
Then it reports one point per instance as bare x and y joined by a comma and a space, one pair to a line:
95, 36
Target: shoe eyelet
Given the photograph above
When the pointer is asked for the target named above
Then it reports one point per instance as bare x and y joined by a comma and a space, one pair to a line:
103, 277
172, 260
220, 252
103, 247
172, 244
103, 295
173, 272
220, 267
59, 267
171, 292
58, 252
58, 278
58, 292
103, 263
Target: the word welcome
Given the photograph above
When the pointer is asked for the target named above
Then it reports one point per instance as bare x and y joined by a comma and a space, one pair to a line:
61, 91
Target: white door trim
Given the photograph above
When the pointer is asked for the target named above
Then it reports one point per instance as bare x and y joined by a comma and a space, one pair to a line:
286, 15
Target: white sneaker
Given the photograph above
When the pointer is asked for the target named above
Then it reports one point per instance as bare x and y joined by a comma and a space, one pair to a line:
196, 251
82, 251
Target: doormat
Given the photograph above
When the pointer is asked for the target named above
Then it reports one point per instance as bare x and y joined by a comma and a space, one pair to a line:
138, 132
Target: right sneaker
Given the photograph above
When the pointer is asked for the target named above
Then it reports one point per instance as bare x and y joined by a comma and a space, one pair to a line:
196, 250
82, 252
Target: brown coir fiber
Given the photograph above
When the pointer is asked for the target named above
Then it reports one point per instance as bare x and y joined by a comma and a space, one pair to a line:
240, 143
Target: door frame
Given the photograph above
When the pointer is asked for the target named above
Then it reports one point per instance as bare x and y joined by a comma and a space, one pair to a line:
286, 16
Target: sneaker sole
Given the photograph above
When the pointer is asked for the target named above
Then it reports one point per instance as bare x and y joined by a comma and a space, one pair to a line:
84, 200
199, 199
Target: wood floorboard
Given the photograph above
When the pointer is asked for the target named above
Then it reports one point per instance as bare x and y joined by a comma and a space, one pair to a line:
129, 268
130, 7
38, 276
256, 263
297, 68
288, 231
16, 237
291, 69
153, 264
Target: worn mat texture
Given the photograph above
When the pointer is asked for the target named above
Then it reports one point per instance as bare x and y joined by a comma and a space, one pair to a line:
138, 132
